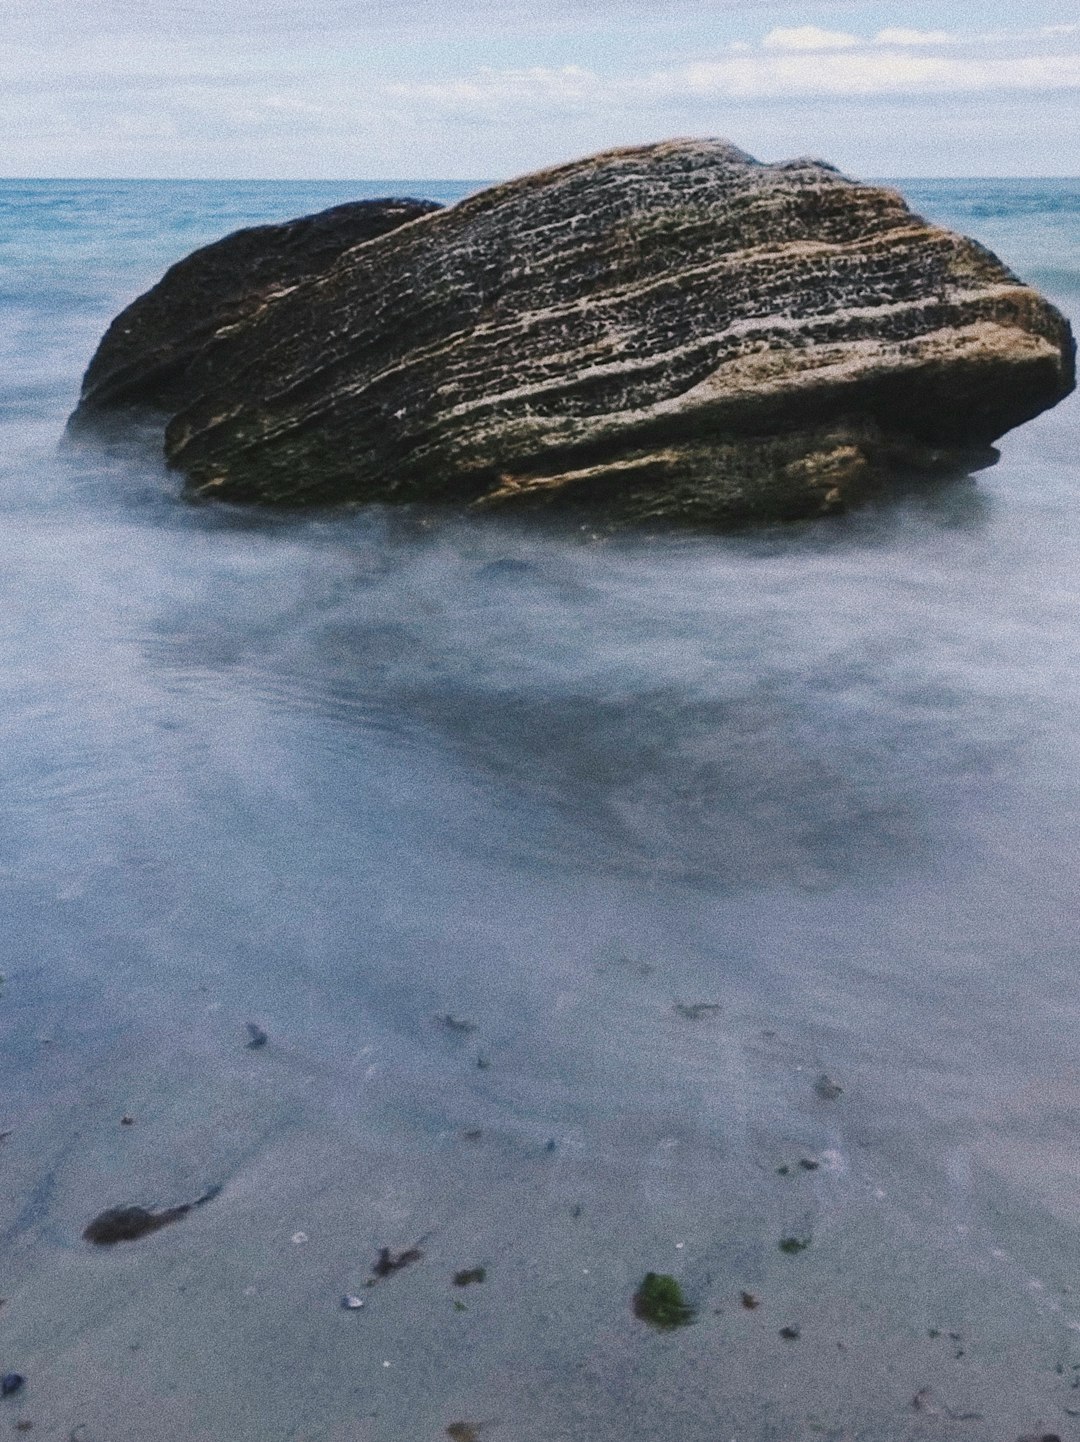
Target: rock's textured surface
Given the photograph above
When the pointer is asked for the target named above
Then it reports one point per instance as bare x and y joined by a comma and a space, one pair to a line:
674, 330
144, 356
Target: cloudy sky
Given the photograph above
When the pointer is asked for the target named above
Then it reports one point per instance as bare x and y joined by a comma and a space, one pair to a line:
488, 88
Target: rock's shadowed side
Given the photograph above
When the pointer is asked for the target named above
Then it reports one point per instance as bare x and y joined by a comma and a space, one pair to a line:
144, 357
673, 330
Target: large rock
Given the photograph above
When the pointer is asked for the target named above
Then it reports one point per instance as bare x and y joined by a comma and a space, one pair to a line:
670, 330
144, 357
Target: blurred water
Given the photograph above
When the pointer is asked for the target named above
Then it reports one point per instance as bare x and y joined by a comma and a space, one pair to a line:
346, 776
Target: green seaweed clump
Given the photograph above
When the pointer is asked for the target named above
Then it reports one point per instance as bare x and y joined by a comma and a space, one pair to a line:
660, 1302
794, 1245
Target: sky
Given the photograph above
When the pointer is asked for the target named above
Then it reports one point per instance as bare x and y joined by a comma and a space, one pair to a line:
483, 89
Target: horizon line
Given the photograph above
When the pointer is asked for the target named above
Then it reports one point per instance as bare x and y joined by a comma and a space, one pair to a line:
431, 179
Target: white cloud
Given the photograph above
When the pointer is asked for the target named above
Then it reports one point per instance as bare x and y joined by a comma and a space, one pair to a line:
533, 87
809, 37
365, 87
853, 74
915, 37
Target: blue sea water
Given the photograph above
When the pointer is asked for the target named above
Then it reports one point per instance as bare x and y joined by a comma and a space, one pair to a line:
558, 870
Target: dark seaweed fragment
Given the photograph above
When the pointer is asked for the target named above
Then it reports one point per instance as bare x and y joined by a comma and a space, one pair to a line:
128, 1224
469, 1275
794, 1245
449, 1022
698, 1010
389, 1262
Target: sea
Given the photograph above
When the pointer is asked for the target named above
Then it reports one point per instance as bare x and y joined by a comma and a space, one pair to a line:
499, 911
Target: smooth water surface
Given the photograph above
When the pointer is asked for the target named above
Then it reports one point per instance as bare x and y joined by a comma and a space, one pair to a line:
558, 870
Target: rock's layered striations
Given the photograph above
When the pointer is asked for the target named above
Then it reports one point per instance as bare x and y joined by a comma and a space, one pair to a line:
145, 356
674, 330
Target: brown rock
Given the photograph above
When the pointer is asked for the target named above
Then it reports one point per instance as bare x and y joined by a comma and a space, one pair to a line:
670, 331
145, 356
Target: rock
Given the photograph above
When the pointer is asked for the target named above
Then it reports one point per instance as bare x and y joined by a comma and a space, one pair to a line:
10, 1383
145, 355
669, 331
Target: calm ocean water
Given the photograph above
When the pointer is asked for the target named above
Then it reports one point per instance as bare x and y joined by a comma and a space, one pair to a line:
557, 870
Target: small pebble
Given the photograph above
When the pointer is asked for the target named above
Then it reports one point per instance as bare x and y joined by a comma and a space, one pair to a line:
351, 1302
127, 1121
10, 1383
299, 1238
